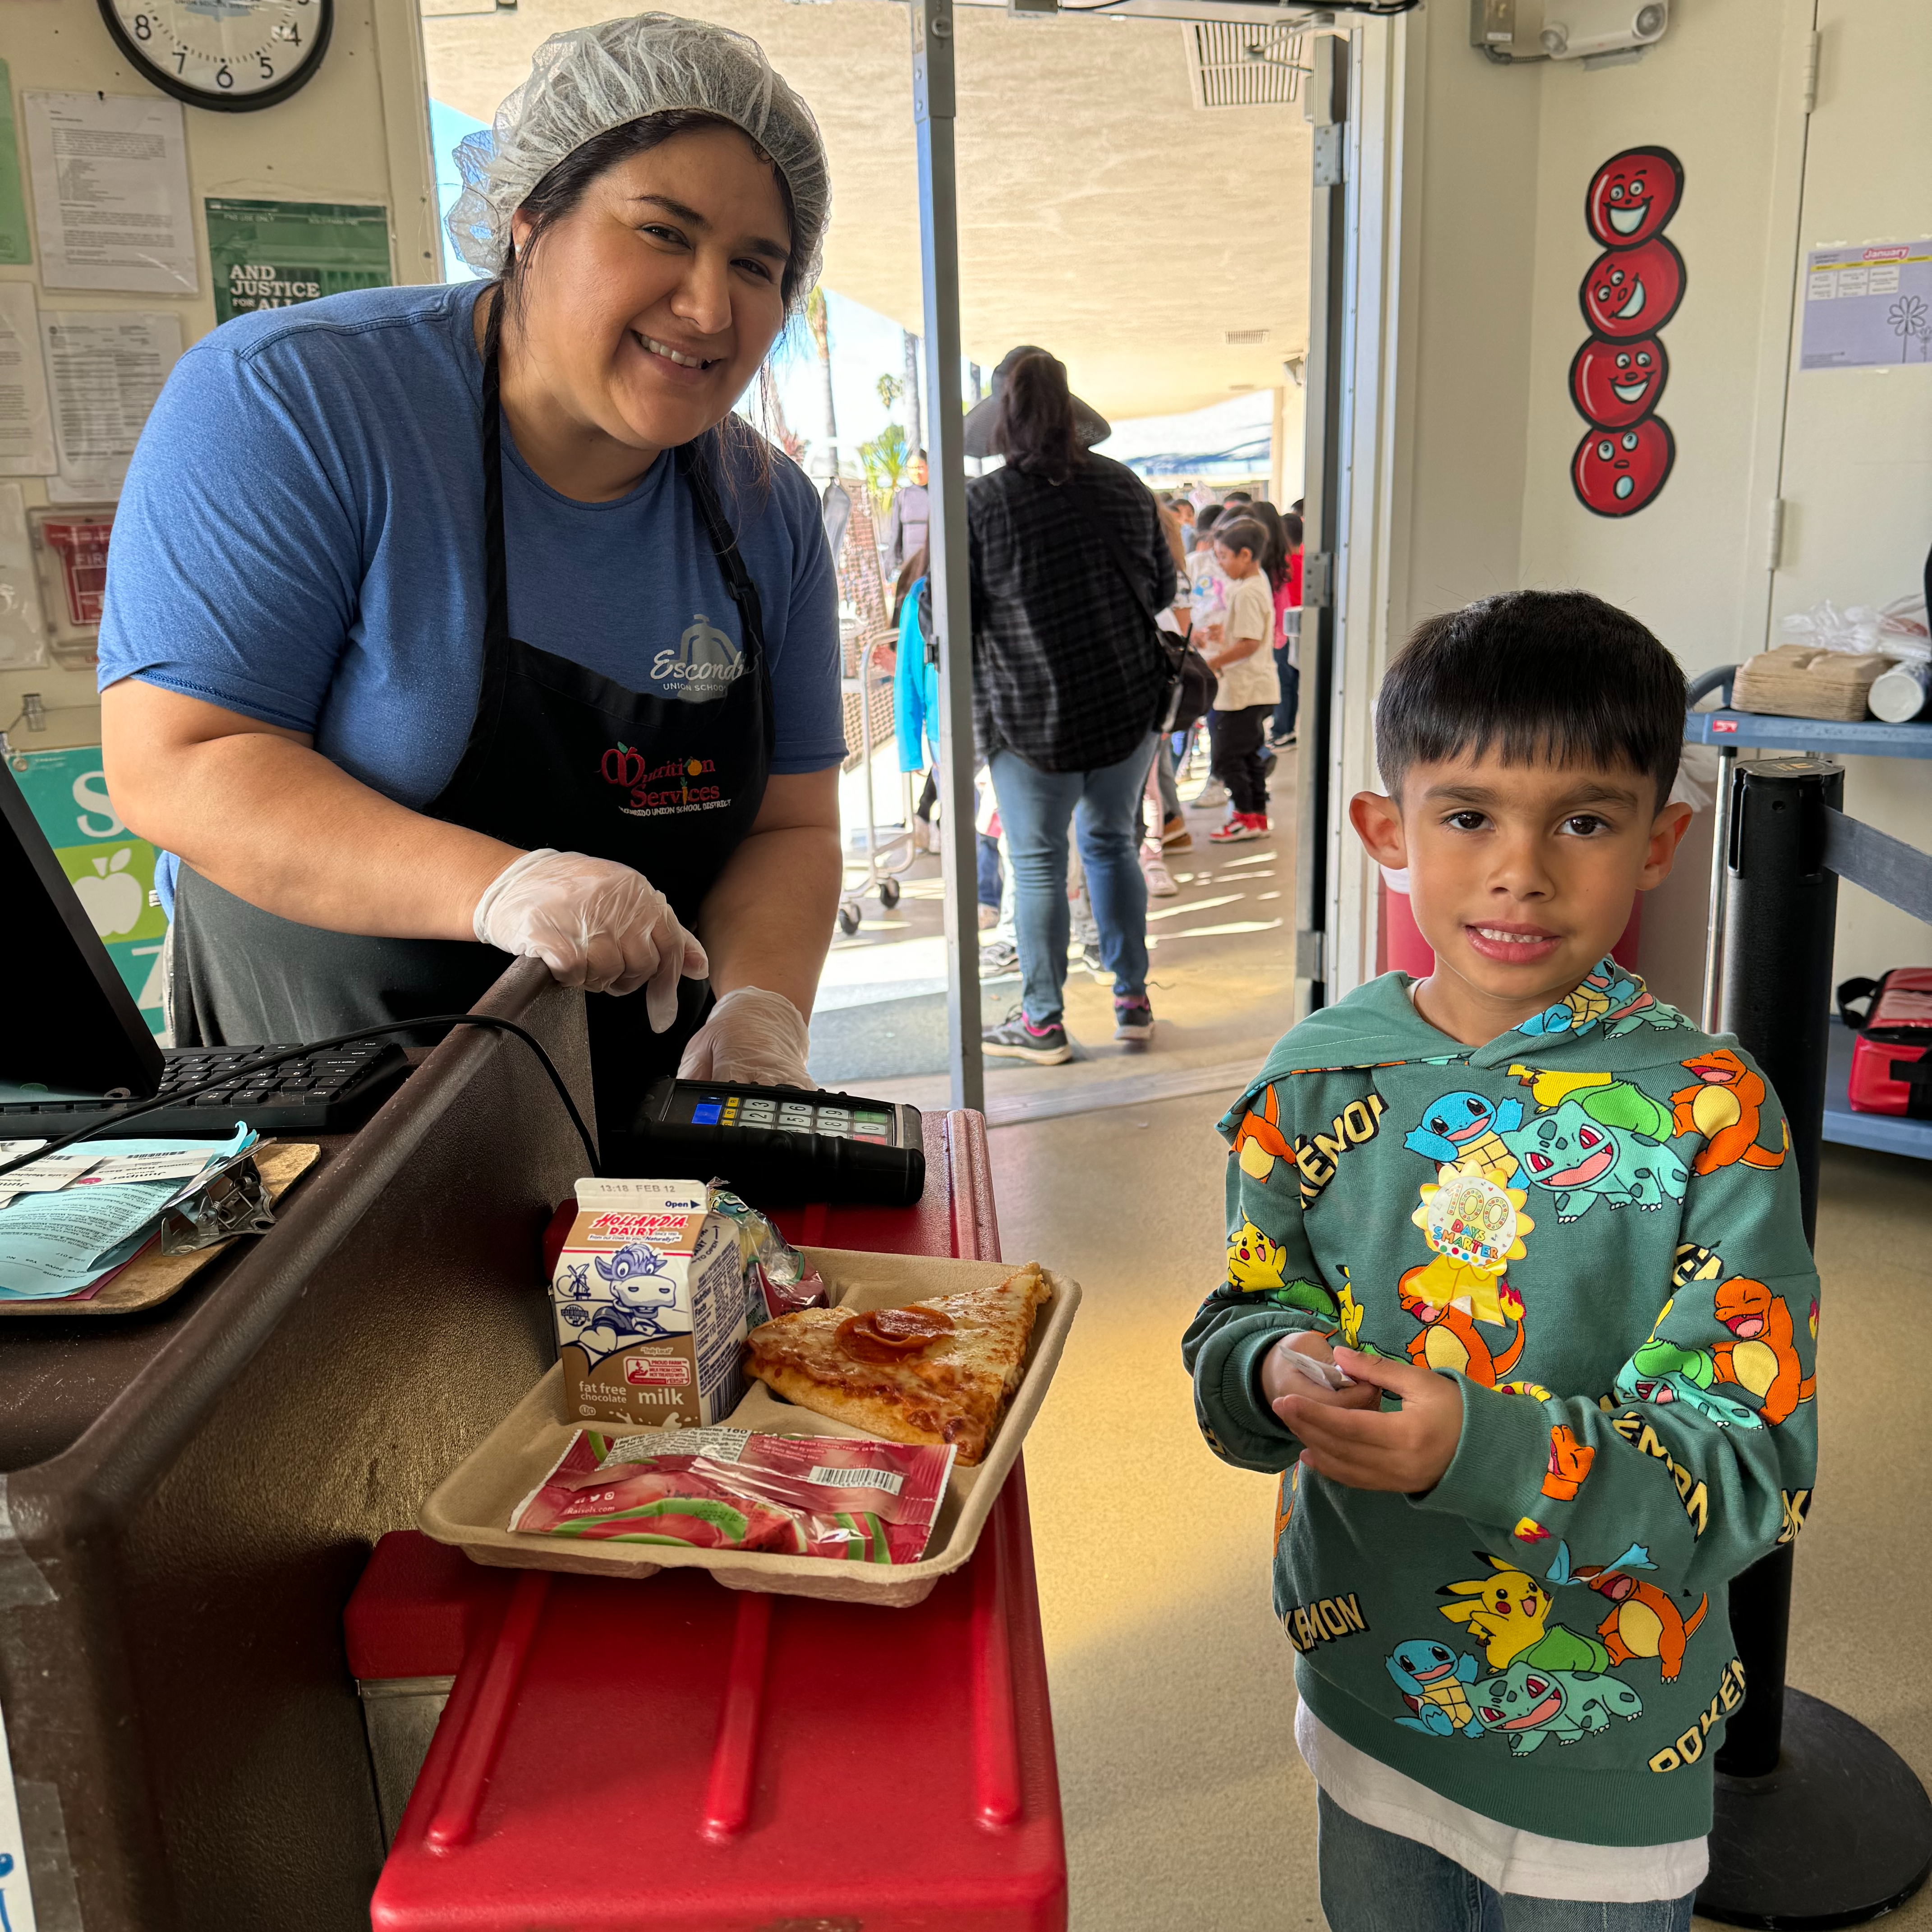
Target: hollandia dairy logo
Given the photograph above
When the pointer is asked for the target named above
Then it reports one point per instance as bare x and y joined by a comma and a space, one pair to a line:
705, 663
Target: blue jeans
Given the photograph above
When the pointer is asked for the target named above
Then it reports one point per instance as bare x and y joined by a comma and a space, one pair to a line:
1035, 809
1374, 1881
1283, 726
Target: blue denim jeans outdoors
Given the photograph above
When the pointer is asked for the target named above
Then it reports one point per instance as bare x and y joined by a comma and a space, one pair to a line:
1035, 809
1374, 1881
1290, 677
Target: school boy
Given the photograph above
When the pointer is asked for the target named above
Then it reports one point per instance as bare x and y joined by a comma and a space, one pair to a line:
1519, 1302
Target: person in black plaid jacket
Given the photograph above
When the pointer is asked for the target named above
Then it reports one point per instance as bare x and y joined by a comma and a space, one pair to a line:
1068, 561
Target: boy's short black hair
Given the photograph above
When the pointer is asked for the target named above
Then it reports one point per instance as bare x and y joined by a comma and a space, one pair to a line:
1207, 516
1544, 676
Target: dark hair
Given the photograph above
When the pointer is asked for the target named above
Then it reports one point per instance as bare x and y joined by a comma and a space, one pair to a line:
1553, 677
1033, 426
1290, 523
1238, 496
1207, 516
558, 194
1275, 564
915, 567
1243, 533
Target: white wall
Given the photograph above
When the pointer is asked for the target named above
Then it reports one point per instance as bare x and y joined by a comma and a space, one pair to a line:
1488, 230
357, 132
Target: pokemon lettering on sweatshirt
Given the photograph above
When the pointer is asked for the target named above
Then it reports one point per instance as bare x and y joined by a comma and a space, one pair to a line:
1592, 1223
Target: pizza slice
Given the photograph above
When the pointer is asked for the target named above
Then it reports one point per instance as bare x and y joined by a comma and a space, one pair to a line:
937, 1372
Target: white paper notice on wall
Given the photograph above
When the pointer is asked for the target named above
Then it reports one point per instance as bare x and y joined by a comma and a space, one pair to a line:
23, 637
104, 368
16, 1897
110, 193
1868, 307
26, 426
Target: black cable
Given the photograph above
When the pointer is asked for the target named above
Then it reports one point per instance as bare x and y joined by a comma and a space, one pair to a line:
275, 1059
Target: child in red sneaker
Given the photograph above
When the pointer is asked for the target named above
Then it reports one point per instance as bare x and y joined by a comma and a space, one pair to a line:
1238, 652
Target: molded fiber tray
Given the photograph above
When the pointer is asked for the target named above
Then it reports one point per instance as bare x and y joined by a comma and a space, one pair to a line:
471, 1507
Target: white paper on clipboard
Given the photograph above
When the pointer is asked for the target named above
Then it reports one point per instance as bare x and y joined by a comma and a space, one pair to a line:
26, 423
110, 192
104, 371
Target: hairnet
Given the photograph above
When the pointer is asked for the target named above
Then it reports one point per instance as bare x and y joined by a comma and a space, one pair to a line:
585, 82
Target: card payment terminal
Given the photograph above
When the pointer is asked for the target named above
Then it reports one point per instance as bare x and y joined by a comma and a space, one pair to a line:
779, 1144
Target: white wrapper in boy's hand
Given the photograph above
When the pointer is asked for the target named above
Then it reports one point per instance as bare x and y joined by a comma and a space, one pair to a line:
595, 924
752, 1039
1324, 1375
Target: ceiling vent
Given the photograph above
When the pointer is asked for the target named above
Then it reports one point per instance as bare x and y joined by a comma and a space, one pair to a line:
1243, 338
1233, 63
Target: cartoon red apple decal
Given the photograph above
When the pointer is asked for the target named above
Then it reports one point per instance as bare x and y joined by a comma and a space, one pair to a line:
1630, 292
1616, 472
1633, 195
1615, 384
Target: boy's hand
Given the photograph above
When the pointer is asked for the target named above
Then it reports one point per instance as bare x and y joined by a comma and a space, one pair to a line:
1406, 1450
1281, 1379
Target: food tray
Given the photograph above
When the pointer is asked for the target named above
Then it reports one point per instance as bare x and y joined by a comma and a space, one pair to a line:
472, 1506
152, 1277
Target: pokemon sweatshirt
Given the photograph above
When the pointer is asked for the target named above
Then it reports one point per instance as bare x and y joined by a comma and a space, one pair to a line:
1591, 1223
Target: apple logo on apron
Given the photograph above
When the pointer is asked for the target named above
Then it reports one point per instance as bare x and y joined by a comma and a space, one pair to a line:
705, 664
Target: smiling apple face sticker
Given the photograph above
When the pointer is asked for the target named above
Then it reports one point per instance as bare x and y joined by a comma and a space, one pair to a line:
1632, 291
1616, 472
1633, 195
1615, 384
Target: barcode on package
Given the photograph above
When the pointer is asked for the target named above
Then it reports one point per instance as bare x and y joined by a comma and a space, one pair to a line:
890, 1481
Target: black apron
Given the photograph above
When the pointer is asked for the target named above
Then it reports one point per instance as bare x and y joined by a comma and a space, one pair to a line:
557, 756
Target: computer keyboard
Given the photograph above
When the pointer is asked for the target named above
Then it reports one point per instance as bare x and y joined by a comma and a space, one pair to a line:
328, 1092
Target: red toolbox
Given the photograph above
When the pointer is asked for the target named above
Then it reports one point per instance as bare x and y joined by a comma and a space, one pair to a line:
667, 1756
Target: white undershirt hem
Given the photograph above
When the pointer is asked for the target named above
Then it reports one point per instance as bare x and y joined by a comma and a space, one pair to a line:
1513, 1863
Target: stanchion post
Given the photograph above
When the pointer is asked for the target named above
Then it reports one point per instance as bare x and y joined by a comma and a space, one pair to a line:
1819, 1822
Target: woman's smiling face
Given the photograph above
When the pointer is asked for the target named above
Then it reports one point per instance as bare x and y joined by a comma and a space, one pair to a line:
645, 311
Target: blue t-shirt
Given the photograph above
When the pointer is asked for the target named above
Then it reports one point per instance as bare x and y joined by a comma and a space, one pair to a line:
301, 540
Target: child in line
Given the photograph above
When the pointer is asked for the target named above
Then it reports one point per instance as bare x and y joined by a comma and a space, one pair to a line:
1520, 1305
1236, 646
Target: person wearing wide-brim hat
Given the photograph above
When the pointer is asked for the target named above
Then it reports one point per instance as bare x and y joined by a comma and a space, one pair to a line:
449, 622
1089, 426
1070, 677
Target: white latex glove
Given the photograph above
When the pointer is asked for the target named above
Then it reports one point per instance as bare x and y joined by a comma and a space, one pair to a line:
753, 1038
595, 924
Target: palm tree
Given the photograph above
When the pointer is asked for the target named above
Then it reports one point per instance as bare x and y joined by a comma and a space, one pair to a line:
818, 321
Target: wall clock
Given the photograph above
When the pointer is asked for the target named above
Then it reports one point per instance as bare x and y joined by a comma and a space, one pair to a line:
231, 55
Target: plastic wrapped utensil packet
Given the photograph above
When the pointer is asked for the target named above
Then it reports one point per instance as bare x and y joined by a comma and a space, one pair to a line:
852, 1500
774, 1269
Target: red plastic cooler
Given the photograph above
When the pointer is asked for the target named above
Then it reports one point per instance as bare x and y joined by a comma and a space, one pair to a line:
622, 1757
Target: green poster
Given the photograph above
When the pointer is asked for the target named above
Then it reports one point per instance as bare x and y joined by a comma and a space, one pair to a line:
273, 254
14, 247
112, 871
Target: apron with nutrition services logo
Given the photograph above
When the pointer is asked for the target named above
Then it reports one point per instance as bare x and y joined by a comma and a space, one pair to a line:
558, 756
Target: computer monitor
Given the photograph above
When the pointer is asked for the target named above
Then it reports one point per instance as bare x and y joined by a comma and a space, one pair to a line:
69, 1023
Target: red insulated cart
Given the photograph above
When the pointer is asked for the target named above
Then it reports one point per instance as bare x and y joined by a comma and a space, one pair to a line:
619, 1756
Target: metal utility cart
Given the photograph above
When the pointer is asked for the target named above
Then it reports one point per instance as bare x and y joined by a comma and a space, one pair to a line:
1727, 732
866, 643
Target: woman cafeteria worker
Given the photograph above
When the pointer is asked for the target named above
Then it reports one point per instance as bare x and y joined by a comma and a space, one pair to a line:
443, 623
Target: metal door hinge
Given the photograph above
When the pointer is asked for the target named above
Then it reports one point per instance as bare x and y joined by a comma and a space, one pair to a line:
1774, 546
1311, 955
1330, 166
1811, 99
1318, 579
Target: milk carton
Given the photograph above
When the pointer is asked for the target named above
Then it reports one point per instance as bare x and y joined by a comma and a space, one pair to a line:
649, 1298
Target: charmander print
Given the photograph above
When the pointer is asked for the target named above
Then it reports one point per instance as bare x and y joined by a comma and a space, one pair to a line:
1625, 1339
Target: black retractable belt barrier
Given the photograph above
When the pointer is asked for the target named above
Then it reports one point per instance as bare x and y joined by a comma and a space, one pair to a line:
1819, 1822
